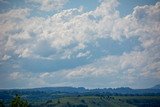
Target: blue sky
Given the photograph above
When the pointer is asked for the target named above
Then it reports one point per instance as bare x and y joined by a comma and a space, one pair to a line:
93, 43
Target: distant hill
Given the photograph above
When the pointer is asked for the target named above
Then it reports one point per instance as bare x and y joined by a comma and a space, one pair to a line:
61, 89
121, 90
156, 87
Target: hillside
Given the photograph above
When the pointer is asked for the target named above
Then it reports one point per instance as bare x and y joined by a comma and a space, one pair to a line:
156, 87
86, 101
81, 97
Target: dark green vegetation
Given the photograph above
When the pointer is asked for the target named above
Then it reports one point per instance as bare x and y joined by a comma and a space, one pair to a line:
88, 101
80, 97
1, 103
18, 102
140, 101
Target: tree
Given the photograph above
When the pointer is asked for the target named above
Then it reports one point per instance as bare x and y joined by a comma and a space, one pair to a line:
18, 102
68, 104
1, 103
58, 102
83, 101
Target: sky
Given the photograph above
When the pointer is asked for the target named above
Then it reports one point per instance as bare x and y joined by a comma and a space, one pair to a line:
79, 43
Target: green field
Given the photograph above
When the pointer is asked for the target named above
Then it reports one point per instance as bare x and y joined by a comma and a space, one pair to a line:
90, 101
87, 101
140, 101
104, 101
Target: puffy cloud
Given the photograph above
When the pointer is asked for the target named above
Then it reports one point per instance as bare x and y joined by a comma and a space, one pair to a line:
6, 57
83, 54
15, 75
69, 32
71, 27
10, 19
143, 22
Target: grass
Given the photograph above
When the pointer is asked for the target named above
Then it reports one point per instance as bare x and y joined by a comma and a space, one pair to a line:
88, 101
140, 101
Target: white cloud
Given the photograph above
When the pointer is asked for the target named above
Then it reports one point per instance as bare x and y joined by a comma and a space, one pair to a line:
109, 71
143, 22
83, 54
111, 65
48, 5
23, 52
11, 19
6, 57
15, 75
44, 75
68, 32
73, 26
134, 68
59, 31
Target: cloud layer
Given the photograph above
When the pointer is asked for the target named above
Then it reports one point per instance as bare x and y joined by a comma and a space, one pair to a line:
71, 35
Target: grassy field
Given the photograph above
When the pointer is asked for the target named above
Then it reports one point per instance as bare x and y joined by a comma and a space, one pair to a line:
104, 101
140, 101
75, 100
87, 101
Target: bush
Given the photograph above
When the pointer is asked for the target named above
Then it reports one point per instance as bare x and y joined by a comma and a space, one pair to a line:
18, 102
83, 101
1, 103
58, 102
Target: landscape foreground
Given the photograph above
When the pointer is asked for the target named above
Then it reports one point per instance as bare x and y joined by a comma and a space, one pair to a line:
80, 97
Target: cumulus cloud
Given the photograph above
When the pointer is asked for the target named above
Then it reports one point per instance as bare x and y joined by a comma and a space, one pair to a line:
70, 27
69, 32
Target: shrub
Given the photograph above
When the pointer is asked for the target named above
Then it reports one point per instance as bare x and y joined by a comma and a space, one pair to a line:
18, 102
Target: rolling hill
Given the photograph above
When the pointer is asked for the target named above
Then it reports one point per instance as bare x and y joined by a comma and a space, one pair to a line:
81, 97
